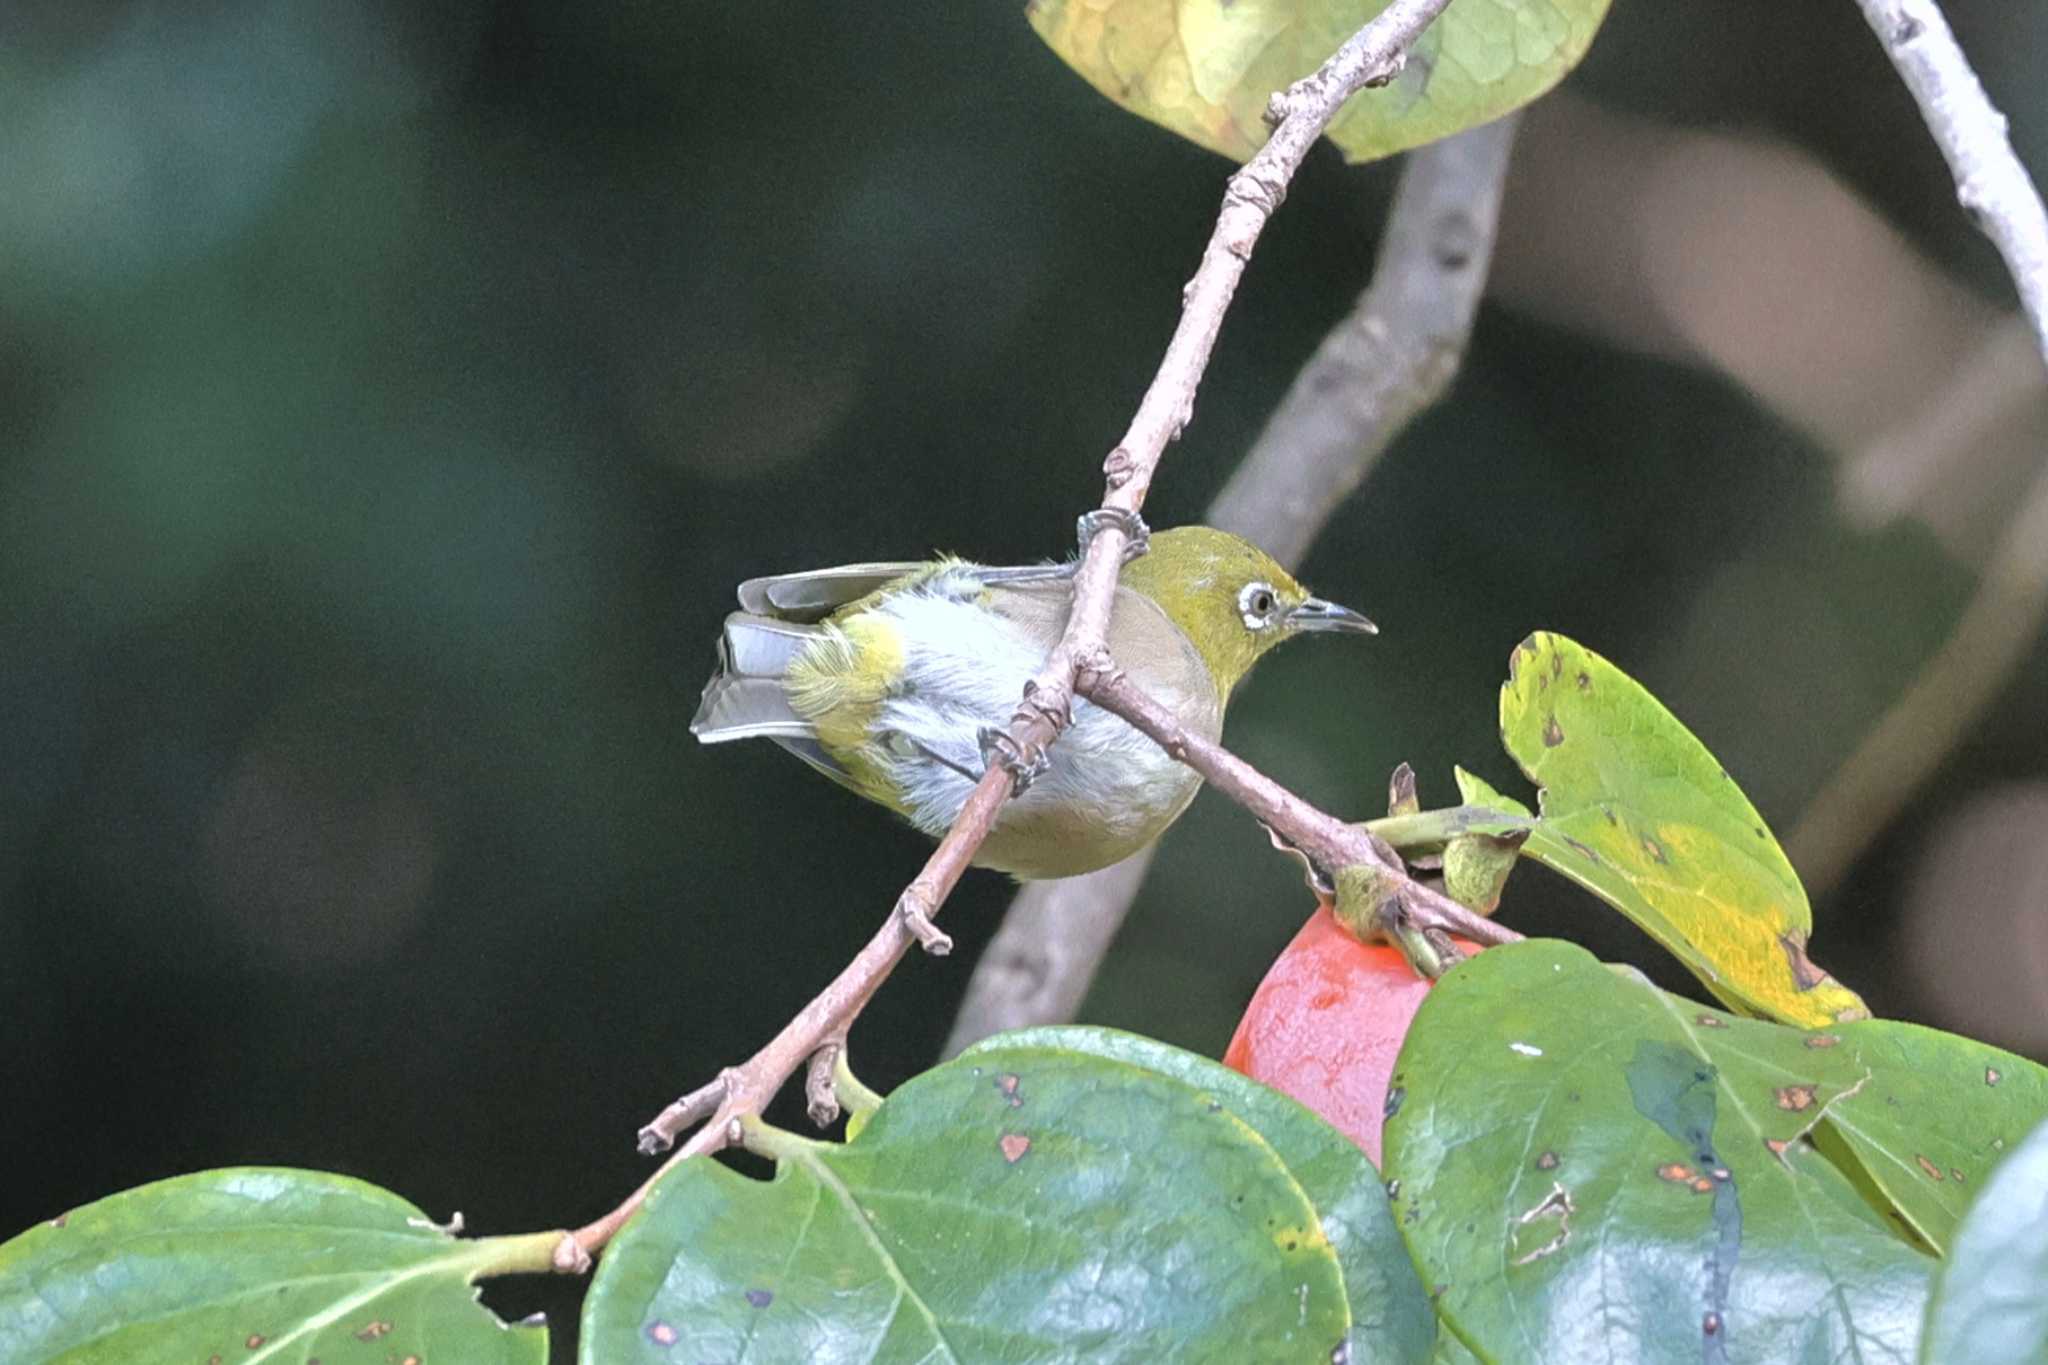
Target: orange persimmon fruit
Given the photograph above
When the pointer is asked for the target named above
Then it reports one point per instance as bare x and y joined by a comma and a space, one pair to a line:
1326, 1025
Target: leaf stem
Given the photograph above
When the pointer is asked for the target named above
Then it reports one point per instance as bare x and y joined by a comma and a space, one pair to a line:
1429, 830
853, 1093
528, 1253
762, 1138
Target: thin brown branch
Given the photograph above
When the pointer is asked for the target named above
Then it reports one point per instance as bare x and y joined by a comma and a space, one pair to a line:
1991, 183
1039, 966
2005, 615
1372, 56
1328, 842
1391, 358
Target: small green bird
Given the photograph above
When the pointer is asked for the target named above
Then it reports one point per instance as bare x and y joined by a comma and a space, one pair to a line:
894, 679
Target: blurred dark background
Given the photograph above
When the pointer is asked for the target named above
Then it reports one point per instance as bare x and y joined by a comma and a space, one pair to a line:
390, 396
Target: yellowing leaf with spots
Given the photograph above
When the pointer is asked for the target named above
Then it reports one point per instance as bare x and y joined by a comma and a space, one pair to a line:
1205, 68
1637, 811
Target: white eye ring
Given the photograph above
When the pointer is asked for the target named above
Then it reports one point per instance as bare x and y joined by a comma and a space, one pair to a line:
1256, 603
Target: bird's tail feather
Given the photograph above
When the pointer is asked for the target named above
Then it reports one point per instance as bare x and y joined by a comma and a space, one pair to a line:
745, 697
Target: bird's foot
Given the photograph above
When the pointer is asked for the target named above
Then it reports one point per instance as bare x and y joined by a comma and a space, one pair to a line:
1032, 707
1025, 765
1137, 535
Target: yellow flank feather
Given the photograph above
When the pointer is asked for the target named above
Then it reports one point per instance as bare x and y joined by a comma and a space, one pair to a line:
839, 684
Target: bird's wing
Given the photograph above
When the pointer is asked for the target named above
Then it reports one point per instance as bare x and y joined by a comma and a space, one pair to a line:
1171, 670
814, 594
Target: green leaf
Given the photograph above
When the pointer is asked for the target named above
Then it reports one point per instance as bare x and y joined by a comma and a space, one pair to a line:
1206, 68
1589, 1168
1451, 1351
1476, 868
1937, 1114
1391, 1318
1021, 1204
1635, 810
1991, 1295
255, 1265
1475, 790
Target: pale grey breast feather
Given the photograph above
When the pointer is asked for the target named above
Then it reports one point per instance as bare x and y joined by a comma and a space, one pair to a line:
967, 670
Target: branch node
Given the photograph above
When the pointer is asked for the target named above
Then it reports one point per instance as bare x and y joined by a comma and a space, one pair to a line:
1096, 669
917, 918
1389, 73
821, 1099
1402, 797
570, 1256
1118, 468
1257, 192
686, 1113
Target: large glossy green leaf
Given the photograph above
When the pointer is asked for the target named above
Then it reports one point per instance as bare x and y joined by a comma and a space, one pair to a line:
1637, 811
1206, 68
1021, 1204
1991, 1294
1588, 1168
1391, 1318
256, 1265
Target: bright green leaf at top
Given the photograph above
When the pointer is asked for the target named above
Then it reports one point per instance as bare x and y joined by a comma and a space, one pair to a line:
258, 1266
1991, 1295
1018, 1204
1637, 811
1206, 68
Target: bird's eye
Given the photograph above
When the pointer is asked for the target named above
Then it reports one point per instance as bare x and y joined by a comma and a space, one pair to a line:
1256, 604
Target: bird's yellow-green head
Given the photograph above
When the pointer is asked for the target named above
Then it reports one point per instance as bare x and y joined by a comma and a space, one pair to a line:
1231, 598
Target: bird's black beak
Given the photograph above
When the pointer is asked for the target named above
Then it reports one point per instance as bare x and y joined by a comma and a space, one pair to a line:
1314, 614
